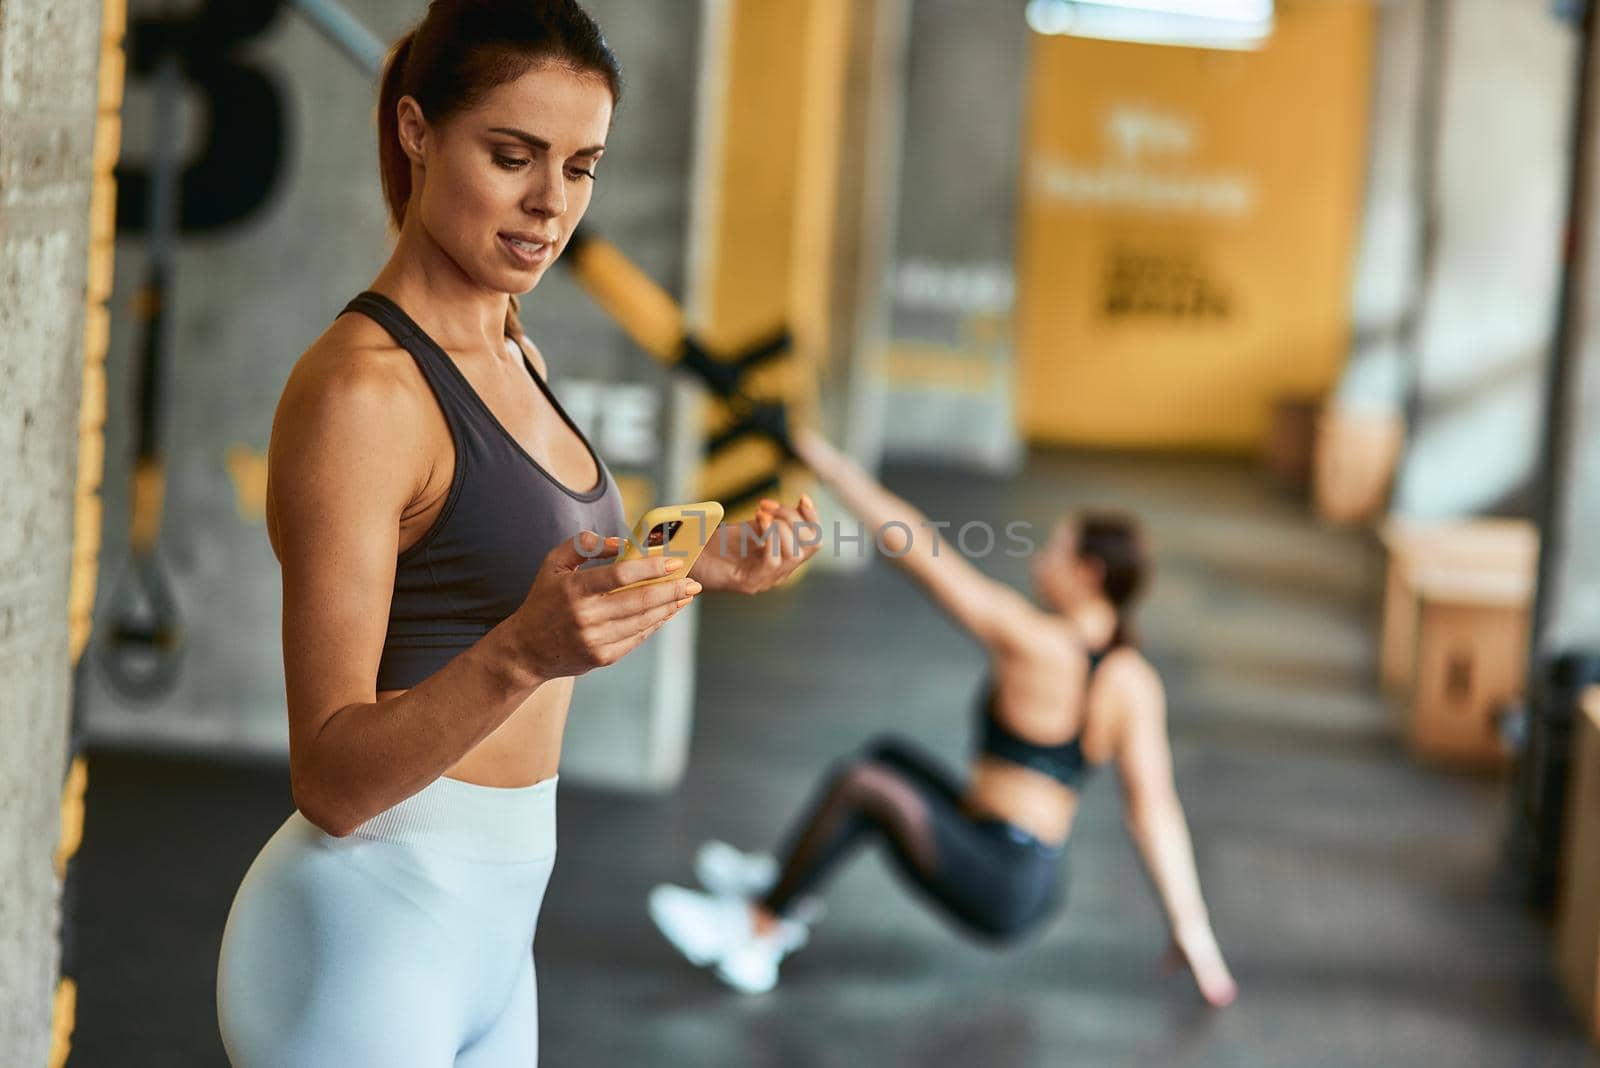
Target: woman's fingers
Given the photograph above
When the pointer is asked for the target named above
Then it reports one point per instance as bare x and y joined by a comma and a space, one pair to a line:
572, 553
621, 635
617, 650
628, 604
791, 540
792, 522
615, 576
572, 617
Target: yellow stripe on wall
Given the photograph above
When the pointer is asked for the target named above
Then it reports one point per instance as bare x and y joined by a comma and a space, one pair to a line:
91, 450
64, 1015
97, 326
71, 814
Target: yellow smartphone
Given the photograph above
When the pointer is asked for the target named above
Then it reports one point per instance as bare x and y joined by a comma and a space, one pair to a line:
680, 529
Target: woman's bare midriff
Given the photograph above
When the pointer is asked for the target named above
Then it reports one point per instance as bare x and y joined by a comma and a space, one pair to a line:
523, 750
526, 748
1023, 797
1030, 799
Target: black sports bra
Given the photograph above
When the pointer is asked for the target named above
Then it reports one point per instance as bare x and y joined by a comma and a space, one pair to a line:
1064, 763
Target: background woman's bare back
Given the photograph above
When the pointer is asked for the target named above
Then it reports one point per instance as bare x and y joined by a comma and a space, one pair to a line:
1040, 694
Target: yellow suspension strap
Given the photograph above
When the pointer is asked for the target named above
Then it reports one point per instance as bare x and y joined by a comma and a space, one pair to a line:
139, 647
649, 315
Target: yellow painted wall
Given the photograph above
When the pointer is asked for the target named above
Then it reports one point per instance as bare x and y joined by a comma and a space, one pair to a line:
1188, 228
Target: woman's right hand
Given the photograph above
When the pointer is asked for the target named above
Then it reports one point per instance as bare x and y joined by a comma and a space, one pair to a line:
1198, 951
570, 623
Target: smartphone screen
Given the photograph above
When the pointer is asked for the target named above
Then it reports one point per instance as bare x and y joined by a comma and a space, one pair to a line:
661, 534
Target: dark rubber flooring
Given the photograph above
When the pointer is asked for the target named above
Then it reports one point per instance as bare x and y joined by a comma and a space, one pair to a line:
1359, 897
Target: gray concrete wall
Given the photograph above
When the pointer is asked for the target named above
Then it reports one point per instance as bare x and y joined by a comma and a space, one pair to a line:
1569, 590
250, 296
1387, 286
1489, 305
49, 52
956, 234
852, 385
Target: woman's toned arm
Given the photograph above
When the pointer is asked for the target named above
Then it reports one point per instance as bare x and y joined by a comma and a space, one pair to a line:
1157, 826
995, 614
344, 462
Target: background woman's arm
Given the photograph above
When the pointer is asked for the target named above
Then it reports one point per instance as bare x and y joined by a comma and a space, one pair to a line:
1156, 823
994, 613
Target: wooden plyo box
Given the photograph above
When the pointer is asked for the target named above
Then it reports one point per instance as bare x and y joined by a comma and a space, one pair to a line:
1507, 547
1472, 662
1291, 439
1578, 915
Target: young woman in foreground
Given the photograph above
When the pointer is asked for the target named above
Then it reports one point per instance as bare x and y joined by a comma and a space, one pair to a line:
1068, 692
430, 504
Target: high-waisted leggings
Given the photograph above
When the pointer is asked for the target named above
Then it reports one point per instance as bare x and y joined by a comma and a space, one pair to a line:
992, 878
406, 944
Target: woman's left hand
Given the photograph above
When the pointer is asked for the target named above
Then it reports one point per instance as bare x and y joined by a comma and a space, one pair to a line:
762, 552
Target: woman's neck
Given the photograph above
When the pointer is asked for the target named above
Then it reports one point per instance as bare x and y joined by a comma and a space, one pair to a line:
449, 305
1095, 622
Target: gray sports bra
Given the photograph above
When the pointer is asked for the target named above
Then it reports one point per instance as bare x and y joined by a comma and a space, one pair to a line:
503, 514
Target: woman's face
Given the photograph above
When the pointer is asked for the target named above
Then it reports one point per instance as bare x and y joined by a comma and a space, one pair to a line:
502, 186
1063, 578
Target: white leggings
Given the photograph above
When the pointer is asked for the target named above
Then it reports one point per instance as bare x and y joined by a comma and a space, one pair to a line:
407, 944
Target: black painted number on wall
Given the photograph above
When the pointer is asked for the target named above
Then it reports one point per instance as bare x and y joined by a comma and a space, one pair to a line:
242, 148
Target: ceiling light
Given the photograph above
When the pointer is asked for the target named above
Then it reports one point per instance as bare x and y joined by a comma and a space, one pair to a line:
1233, 24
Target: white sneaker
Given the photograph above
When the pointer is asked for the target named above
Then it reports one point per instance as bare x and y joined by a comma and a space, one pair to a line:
751, 966
703, 927
730, 872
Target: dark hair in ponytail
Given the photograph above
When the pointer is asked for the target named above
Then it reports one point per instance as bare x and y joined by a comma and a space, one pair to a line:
1116, 543
459, 52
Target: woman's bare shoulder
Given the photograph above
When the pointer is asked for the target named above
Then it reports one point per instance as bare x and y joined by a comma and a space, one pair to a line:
348, 422
354, 371
354, 351
1127, 671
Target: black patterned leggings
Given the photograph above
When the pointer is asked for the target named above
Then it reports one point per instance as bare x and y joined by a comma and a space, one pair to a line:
988, 876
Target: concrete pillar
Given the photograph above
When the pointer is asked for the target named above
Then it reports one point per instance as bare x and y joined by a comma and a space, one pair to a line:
1566, 616
1387, 282
49, 52
1568, 611
949, 366
1488, 305
869, 172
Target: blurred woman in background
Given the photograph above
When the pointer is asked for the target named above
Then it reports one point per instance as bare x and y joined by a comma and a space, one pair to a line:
1069, 691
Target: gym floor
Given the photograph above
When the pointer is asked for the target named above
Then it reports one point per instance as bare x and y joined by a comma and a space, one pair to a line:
1359, 897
